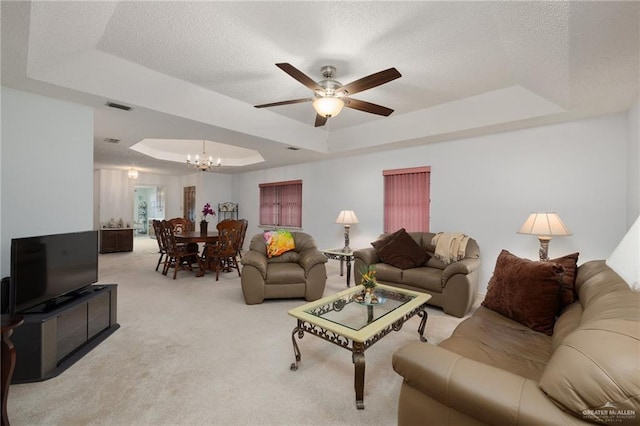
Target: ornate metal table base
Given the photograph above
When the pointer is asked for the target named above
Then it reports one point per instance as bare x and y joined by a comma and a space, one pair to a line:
357, 348
338, 254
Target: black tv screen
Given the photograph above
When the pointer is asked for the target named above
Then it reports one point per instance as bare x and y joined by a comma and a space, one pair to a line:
44, 268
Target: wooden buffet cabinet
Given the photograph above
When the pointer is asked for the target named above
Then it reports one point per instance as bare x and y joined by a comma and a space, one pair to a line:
113, 240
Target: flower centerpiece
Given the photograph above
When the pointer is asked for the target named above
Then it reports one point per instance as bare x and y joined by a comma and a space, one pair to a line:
368, 279
369, 283
206, 211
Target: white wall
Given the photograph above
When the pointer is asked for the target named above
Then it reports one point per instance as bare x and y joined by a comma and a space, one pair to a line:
633, 164
47, 168
484, 186
116, 197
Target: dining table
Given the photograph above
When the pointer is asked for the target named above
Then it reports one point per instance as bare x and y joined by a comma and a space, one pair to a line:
211, 237
197, 237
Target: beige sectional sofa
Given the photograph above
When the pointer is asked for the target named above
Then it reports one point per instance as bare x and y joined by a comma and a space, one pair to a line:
494, 370
452, 287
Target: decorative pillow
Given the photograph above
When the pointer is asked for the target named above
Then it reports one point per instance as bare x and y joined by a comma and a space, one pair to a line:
525, 291
568, 293
400, 250
278, 242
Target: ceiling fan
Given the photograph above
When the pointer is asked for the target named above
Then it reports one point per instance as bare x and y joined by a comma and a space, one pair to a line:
330, 96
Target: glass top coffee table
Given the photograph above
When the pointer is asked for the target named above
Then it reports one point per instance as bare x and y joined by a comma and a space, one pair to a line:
354, 325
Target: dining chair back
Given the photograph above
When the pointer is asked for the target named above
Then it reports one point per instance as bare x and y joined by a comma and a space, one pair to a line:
238, 225
243, 232
222, 254
180, 225
179, 256
157, 228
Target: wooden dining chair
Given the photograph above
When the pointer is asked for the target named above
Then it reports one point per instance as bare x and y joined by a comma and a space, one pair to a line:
243, 232
238, 226
157, 228
178, 256
180, 226
222, 254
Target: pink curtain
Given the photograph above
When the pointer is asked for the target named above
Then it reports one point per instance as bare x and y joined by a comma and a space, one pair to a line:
291, 205
268, 205
406, 199
281, 204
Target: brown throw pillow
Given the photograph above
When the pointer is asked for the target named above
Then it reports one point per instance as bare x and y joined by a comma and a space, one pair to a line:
400, 250
570, 265
525, 291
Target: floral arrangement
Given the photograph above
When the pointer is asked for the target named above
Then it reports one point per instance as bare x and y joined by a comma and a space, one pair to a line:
206, 211
369, 276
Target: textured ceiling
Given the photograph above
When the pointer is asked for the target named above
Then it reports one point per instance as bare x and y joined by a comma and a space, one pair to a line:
193, 70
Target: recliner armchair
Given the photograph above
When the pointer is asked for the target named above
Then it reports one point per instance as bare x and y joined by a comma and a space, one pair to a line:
300, 272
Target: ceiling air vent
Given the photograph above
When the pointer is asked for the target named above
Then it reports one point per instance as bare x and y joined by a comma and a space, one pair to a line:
119, 106
112, 140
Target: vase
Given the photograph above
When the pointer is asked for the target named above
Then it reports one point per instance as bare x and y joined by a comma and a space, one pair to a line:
203, 227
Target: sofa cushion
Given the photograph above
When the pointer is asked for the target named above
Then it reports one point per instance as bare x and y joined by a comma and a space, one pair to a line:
285, 273
424, 278
388, 273
400, 250
570, 265
278, 242
525, 291
493, 339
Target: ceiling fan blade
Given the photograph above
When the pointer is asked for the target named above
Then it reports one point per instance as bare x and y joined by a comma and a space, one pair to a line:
367, 107
292, 101
300, 76
370, 81
320, 120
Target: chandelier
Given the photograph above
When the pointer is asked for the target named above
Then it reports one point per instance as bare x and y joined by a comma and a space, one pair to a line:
201, 163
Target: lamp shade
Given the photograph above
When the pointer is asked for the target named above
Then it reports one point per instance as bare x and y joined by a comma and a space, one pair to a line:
544, 224
347, 217
328, 106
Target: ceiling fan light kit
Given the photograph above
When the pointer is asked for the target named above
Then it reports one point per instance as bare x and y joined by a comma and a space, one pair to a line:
330, 96
328, 106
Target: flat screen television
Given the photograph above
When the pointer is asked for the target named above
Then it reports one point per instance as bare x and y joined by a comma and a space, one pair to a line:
46, 268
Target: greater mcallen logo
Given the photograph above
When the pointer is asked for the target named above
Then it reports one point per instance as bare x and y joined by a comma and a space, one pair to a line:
609, 413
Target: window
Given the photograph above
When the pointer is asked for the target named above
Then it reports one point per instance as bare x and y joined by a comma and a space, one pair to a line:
281, 203
406, 199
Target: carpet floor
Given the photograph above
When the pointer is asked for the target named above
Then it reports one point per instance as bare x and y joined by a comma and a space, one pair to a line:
191, 352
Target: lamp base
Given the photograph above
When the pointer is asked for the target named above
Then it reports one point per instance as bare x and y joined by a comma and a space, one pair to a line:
346, 238
544, 248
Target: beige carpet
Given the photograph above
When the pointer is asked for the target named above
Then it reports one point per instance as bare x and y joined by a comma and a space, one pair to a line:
190, 352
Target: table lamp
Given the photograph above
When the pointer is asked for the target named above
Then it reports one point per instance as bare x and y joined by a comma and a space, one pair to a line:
347, 217
545, 226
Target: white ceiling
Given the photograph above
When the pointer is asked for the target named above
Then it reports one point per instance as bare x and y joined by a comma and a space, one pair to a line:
194, 70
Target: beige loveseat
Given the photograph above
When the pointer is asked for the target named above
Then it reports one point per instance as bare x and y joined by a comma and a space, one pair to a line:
452, 287
495, 371
300, 272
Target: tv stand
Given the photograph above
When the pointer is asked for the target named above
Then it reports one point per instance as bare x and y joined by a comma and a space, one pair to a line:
54, 337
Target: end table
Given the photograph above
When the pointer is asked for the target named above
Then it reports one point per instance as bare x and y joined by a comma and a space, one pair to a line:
343, 255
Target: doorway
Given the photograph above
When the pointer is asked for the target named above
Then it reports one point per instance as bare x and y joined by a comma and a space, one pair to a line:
148, 204
189, 205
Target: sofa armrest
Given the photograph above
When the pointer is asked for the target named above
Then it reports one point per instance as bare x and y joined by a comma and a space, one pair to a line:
464, 266
367, 255
478, 390
257, 260
311, 257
